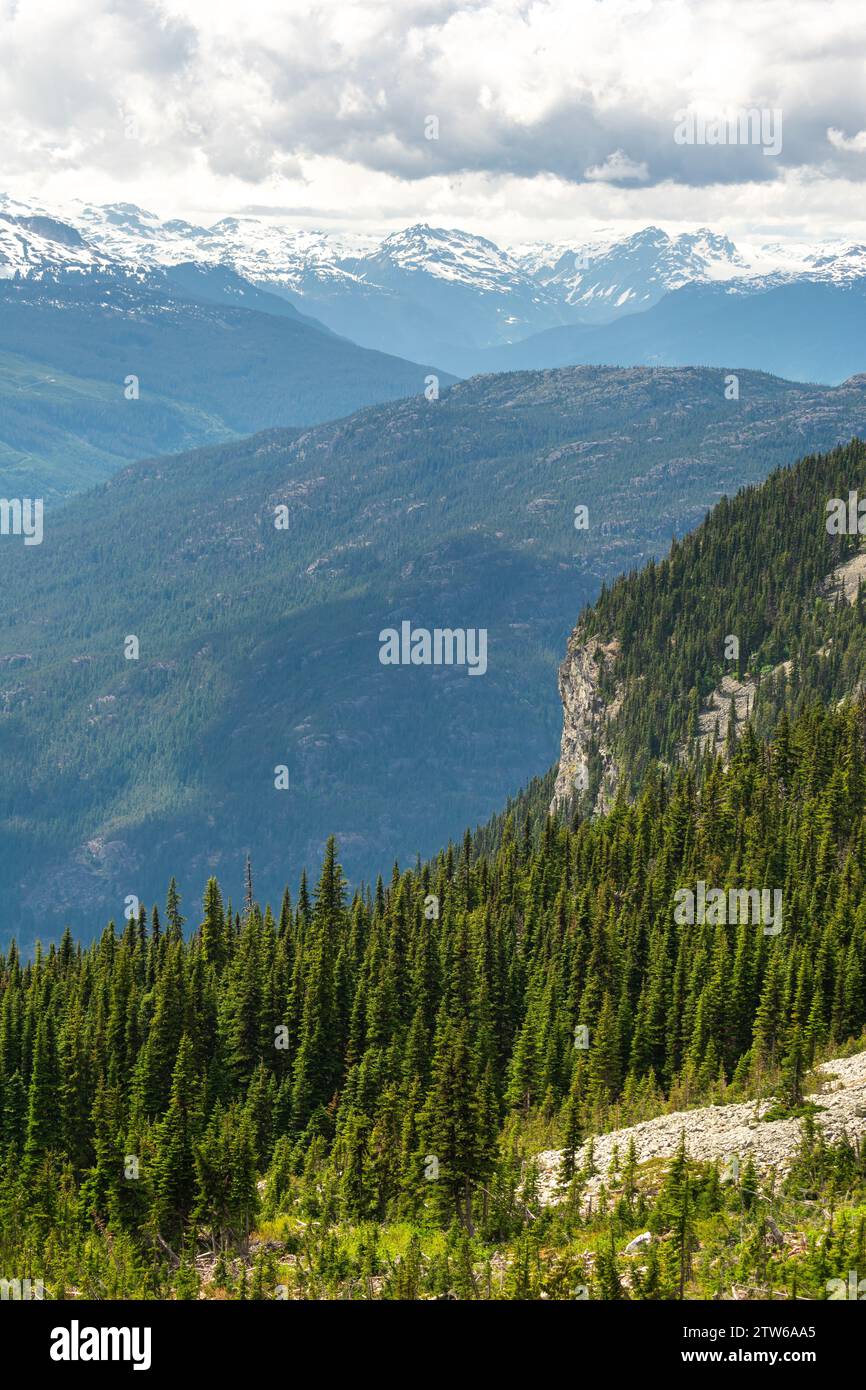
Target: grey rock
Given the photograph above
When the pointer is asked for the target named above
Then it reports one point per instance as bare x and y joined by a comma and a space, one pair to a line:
728, 1131
638, 1242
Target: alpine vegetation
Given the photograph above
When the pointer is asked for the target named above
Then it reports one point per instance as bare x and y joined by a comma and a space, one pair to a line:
609, 1045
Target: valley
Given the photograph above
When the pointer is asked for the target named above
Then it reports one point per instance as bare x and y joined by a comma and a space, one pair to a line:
259, 644
207, 367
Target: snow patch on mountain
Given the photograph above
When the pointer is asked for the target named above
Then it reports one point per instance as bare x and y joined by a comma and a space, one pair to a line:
32, 241
422, 269
455, 256
610, 275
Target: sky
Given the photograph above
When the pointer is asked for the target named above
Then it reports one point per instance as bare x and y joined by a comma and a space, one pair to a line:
519, 121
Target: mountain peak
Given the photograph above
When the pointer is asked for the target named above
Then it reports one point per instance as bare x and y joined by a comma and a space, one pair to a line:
424, 290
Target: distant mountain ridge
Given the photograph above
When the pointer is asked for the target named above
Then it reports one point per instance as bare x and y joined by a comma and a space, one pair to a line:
423, 292
607, 278
99, 369
800, 328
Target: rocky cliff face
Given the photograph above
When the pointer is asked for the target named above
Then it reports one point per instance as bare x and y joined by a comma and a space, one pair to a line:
586, 720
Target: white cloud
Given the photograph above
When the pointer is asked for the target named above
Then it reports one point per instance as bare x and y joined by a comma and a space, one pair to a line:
853, 144
618, 168
198, 107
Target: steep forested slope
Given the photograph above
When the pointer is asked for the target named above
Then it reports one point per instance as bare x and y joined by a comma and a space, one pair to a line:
752, 603
362, 1079
386, 1064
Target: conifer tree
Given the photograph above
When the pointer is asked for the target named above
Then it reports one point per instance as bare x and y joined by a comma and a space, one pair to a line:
174, 1150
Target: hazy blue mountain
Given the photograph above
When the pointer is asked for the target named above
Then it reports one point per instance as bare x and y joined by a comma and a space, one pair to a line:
214, 358
805, 330
219, 284
444, 289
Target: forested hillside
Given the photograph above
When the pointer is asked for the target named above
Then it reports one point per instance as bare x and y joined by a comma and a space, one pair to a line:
210, 358
361, 1081
759, 569
259, 646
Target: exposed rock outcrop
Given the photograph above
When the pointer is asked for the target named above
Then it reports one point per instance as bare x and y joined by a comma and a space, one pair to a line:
846, 578
588, 716
729, 1132
730, 696
586, 719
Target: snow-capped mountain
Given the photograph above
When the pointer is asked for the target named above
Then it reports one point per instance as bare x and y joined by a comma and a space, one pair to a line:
606, 277
426, 293
300, 261
454, 256
453, 287
31, 243
85, 236
834, 263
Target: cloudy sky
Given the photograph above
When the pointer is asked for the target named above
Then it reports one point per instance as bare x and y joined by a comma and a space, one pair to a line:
553, 117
